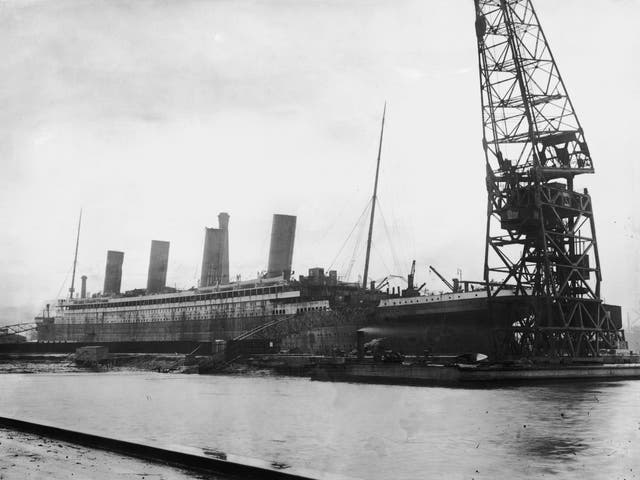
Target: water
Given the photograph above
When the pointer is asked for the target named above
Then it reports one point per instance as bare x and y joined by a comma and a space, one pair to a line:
575, 430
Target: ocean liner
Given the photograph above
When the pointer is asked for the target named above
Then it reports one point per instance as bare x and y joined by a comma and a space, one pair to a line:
314, 313
318, 313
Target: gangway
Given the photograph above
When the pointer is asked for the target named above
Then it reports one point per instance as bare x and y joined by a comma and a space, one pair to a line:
16, 329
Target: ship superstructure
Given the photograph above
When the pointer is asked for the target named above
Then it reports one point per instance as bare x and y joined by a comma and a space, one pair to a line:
195, 315
316, 313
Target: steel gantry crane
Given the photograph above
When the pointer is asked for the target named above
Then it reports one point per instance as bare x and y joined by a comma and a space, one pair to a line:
541, 238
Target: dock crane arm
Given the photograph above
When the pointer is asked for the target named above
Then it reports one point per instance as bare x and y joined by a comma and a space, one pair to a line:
444, 280
411, 275
382, 284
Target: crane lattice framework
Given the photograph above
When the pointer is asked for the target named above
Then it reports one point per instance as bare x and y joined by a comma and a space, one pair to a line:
541, 239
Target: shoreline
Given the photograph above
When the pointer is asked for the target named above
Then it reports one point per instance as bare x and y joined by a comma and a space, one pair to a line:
27, 455
329, 369
159, 363
190, 459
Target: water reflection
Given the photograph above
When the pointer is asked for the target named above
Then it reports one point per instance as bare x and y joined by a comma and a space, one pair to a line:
549, 446
571, 424
365, 431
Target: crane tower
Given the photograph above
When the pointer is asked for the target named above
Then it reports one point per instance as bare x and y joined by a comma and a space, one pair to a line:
541, 239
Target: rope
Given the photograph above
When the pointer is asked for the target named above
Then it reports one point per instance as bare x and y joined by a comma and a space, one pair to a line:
393, 250
366, 209
381, 258
335, 219
196, 280
355, 250
66, 277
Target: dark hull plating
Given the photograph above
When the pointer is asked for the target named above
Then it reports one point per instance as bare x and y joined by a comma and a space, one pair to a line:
202, 330
444, 327
313, 332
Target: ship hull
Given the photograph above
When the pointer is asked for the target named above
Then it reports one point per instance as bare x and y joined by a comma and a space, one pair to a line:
182, 347
200, 330
439, 324
321, 332
448, 327
453, 323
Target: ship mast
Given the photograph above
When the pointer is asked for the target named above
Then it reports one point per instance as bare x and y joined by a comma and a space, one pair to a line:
75, 258
373, 204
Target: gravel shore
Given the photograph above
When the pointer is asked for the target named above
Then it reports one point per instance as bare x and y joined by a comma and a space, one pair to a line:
27, 456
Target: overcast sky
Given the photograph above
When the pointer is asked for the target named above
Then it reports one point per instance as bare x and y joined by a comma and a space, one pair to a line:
153, 116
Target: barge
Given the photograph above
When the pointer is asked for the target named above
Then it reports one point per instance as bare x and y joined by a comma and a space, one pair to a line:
474, 374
